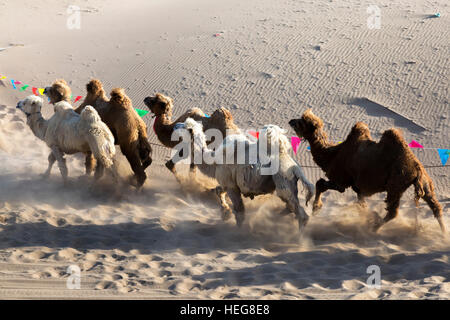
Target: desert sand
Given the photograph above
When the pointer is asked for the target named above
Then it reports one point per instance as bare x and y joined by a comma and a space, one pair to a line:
267, 61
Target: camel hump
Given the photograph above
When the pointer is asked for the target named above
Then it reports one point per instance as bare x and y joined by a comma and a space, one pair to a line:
94, 86
360, 130
393, 136
89, 114
222, 114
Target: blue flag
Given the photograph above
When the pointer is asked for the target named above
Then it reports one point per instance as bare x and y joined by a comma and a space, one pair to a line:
443, 154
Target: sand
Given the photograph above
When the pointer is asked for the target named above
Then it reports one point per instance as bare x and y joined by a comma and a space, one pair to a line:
267, 61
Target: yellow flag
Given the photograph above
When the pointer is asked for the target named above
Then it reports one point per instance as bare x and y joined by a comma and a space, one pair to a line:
41, 91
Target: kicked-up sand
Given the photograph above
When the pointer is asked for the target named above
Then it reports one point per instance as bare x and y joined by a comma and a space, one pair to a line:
266, 61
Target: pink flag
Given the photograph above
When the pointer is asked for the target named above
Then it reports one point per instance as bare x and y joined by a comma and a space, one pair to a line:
295, 142
415, 144
17, 82
255, 134
77, 98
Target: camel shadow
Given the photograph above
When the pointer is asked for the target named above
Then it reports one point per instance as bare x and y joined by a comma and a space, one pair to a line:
329, 271
151, 237
377, 110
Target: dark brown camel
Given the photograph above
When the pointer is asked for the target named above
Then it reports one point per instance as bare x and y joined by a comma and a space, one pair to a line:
367, 166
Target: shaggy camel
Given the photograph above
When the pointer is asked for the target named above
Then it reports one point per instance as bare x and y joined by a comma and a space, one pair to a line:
129, 130
60, 91
162, 106
237, 178
368, 167
67, 132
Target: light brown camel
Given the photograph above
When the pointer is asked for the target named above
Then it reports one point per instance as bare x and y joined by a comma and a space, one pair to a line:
162, 106
367, 166
128, 128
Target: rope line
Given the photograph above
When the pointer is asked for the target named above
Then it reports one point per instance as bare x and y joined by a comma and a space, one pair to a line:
317, 167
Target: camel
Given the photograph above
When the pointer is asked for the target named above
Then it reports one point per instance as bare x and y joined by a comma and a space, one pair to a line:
162, 106
127, 127
60, 91
67, 132
237, 178
367, 166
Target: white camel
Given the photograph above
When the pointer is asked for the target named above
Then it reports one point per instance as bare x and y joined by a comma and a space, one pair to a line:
247, 179
68, 132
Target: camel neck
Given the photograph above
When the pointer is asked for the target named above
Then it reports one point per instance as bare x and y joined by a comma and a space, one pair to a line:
321, 149
163, 129
37, 124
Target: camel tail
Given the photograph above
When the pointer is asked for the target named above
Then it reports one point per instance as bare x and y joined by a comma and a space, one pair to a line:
419, 191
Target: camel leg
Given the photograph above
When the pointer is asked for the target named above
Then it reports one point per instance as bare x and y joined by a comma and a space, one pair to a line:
136, 166
321, 186
99, 170
393, 203
430, 199
89, 163
51, 161
59, 156
225, 208
238, 205
293, 205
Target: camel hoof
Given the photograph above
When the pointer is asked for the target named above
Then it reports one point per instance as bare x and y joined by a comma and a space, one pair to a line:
226, 215
302, 223
44, 176
316, 208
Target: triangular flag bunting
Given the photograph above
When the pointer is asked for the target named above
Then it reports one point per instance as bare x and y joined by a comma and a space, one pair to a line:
140, 112
18, 82
34, 89
41, 91
205, 115
12, 82
77, 98
415, 144
444, 154
24, 87
295, 142
255, 134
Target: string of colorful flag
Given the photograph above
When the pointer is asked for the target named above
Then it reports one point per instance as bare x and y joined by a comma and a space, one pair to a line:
40, 91
444, 154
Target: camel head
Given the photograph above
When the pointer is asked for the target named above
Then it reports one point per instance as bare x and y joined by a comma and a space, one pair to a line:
30, 105
58, 91
159, 104
307, 125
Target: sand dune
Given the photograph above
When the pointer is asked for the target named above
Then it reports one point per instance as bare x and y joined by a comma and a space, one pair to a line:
267, 62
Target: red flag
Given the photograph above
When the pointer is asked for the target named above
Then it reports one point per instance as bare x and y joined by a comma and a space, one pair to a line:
295, 142
415, 144
35, 91
77, 98
255, 134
